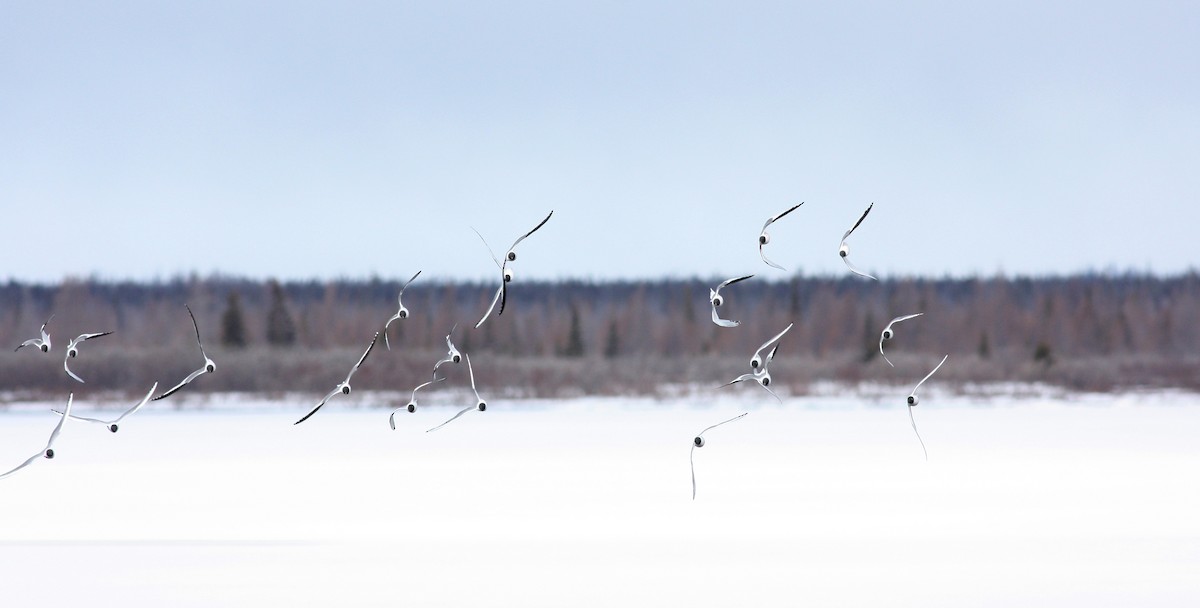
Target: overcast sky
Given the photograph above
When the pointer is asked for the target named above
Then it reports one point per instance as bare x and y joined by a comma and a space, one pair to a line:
298, 140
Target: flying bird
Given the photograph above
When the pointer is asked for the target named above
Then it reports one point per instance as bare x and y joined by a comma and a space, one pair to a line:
73, 350
112, 424
715, 299
913, 400
48, 451
756, 361
844, 249
207, 368
343, 387
401, 313
453, 356
698, 442
764, 238
480, 404
762, 377
506, 274
412, 402
888, 333
42, 343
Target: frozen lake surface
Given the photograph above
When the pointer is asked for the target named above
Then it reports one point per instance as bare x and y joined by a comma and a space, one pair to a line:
824, 501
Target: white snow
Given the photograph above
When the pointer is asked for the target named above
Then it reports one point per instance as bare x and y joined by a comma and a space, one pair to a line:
824, 501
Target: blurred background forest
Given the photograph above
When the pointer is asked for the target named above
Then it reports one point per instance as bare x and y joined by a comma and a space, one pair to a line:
568, 338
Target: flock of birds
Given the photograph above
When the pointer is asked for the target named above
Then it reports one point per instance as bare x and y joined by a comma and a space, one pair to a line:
759, 363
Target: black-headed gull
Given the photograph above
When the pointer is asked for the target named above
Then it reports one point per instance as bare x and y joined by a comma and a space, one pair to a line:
401, 312
73, 350
452, 355
698, 442
762, 377
480, 404
715, 300
42, 343
412, 402
756, 361
112, 425
208, 367
913, 400
764, 238
48, 451
343, 387
888, 333
844, 249
506, 273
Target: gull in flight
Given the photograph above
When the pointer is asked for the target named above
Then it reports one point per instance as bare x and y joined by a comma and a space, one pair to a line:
73, 350
48, 451
453, 356
756, 361
888, 333
480, 404
844, 249
401, 313
208, 367
762, 377
42, 343
764, 238
412, 402
343, 387
698, 442
112, 424
913, 400
715, 299
506, 273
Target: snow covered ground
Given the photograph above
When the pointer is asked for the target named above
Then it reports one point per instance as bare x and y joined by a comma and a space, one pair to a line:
824, 501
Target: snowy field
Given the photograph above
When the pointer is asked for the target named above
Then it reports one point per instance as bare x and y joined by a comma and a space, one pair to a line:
825, 501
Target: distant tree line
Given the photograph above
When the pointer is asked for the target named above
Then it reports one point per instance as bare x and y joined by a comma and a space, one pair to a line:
1133, 329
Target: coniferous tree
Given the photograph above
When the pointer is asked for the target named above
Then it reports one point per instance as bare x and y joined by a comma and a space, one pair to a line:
281, 328
574, 346
612, 344
233, 327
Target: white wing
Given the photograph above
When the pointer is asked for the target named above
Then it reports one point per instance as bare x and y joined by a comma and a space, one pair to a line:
363, 358
904, 318
421, 386
471, 371
58, 428
692, 459
939, 366
860, 220
722, 322
732, 281
535, 229
776, 338
773, 219
763, 255
489, 248
69, 372
83, 337
387, 342
881, 348
855, 270
138, 406
319, 405
405, 286
914, 425
492, 307
701, 434
465, 410
30, 342
741, 378
190, 377
197, 327
31, 460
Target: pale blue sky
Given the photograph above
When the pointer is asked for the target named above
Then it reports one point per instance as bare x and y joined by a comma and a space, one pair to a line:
299, 140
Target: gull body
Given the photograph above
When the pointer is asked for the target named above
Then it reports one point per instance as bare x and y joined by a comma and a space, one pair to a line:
698, 442
42, 343
756, 361
208, 367
48, 451
73, 350
112, 425
715, 300
764, 238
412, 402
480, 404
888, 333
506, 274
343, 387
913, 400
401, 311
452, 354
844, 248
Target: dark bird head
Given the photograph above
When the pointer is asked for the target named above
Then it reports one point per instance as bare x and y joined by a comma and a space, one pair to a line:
412, 407
913, 400
698, 442
210, 367
512, 256
755, 361
112, 427
345, 389
481, 406
403, 314
508, 275
45, 348
844, 250
456, 358
763, 239
71, 353
765, 380
49, 453
718, 301
887, 334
